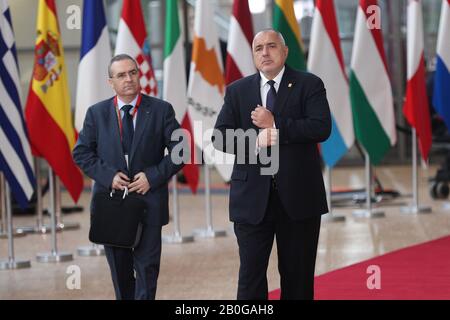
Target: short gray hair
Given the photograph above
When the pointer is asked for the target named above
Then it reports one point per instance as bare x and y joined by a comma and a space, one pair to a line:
280, 36
120, 57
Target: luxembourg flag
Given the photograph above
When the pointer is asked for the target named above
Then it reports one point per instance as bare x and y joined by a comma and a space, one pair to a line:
92, 86
441, 95
326, 61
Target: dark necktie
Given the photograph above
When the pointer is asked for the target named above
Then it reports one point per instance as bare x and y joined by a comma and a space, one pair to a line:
127, 129
271, 96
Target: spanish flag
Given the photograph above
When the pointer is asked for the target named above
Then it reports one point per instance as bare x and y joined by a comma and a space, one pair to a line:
47, 112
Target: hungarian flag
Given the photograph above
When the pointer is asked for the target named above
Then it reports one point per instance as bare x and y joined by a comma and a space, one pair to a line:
239, 49
285, 22
48, 115
416, 109
174, 88
206, 87
441, 95
132, 40
326, 61
94, 58
370, 87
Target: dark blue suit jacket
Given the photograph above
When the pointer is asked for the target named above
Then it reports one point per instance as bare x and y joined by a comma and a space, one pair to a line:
303, 118
98, 151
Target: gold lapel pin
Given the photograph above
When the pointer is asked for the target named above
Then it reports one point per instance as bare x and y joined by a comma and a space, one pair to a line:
289, 85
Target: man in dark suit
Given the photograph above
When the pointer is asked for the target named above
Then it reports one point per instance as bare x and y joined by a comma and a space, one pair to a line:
122, 145
288, 110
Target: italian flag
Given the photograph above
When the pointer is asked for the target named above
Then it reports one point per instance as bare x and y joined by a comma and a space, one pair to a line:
174, 87
370, 88
285, 22
416, 108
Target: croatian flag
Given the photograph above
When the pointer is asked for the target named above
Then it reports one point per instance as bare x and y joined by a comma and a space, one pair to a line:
441, 95
92, 86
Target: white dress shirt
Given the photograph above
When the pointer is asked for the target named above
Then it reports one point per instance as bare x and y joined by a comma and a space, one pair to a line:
120, 104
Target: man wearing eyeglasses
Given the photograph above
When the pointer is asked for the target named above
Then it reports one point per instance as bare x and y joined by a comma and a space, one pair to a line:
122, 146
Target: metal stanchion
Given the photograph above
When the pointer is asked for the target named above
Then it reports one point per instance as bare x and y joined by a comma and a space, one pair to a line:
209, 232
60, 225
330, 216
40, 227
54, 255
11, 263
176, 237
415, 207
368, 212
3, 219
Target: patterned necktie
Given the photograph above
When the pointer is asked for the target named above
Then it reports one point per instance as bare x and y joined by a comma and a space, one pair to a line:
271, 96
127, 129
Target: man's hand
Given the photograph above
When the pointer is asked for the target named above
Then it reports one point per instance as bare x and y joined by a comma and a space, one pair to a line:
120, 181
267, 137
140, 184
262, 118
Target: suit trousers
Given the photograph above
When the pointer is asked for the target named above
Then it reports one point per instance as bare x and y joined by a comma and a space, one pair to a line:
135, 271
296, 246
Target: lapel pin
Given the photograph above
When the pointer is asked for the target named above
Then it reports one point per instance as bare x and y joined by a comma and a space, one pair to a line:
289, 85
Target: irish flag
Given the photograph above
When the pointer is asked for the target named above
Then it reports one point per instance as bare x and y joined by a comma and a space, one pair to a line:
370, 87
285, 22
48, 115
174, 88
441, 95
326, 61
416, 109
206, 87
239, 49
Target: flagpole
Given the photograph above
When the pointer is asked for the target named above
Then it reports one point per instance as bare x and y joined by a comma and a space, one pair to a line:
330, 216
209, 232
176, 237
92, 250
60, 225
3, 218
54, 255
39, 227
11, 263
368, 212
414, 207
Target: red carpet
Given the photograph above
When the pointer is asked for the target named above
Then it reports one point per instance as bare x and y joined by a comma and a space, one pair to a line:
419, 272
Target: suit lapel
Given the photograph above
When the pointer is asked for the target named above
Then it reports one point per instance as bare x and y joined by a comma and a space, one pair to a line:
286, 86
113, 124
143, 115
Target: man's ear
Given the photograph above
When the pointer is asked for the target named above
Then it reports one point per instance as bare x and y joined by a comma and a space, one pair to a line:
110, 83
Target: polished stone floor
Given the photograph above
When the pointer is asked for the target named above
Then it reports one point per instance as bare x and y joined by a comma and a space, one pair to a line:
208, 268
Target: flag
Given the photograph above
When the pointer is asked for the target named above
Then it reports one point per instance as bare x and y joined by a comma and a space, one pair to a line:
326, 60
416, 109
441, 94
92, 86
16, 161
47, 112
370, 88
174, 87
132, 40
239, 49
285, 22
206, 87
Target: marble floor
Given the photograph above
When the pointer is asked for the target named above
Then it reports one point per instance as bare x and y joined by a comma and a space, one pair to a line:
208, 268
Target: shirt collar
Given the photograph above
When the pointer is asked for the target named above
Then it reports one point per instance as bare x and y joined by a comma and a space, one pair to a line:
120, 103
277, 79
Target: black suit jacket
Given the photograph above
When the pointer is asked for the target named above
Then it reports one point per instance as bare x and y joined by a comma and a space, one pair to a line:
302, 116
98, 151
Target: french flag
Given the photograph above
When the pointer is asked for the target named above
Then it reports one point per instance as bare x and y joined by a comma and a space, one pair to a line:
95, 54
441, 94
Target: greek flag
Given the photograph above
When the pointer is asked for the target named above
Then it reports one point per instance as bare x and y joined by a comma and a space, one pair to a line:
16, 161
